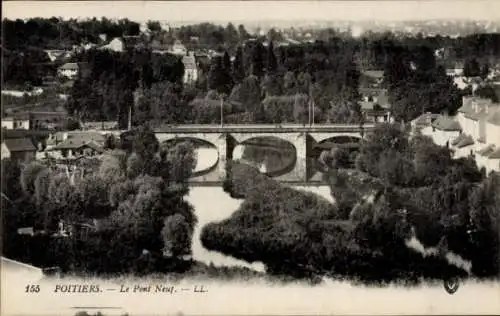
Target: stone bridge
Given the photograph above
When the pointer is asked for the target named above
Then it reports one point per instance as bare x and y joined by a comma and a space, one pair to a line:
226, 138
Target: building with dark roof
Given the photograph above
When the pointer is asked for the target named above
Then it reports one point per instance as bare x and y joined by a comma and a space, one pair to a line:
75, 148
20, 149
375, 105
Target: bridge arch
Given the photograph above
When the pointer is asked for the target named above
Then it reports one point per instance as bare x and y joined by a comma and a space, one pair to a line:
273, 156
207, 153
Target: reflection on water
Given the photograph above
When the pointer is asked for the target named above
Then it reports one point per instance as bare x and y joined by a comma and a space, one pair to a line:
269, 160
206, 158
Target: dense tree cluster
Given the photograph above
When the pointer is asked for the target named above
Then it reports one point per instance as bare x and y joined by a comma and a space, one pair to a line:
133, 204
56, 33
108, 92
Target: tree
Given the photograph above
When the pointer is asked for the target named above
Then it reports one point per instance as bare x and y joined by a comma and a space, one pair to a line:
485, 70
219, 77
289, 83
154, 26
238, 67
257, 59
227, 62
176, 235
272, 63
384, 137
243, 33
231, 35
250, 94
28, 176
11, 175
145, 143
430, 160
472, 68
301, 109
112, 165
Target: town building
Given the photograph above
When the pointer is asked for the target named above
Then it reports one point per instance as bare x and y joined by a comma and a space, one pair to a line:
57, 138
19, 149
34, 120
375, 105
57, 55
115, 45
190, 68
375, 76
71, 70
474, 131
15, 123
75, 148
178, 48
102, 125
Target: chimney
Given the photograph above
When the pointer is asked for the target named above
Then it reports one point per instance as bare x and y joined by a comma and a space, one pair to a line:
65, 136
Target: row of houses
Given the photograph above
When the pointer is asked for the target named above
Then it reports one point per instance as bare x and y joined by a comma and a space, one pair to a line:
474, 131
25, 147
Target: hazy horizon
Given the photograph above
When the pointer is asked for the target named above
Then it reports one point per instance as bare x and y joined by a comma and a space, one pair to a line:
181, 12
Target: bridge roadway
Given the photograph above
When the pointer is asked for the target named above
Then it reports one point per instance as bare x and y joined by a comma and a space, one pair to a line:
264, 128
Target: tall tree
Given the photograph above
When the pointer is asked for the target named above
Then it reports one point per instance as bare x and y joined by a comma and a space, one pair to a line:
472, 68
238, 67
227, 62
272, 63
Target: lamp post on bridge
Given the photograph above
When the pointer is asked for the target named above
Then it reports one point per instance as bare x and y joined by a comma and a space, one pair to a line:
311, 107
221, 95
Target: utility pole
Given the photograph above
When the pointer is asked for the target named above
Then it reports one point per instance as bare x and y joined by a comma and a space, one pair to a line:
221, 109
129, 127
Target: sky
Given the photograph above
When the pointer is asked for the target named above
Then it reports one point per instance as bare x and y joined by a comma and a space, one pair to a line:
224, 11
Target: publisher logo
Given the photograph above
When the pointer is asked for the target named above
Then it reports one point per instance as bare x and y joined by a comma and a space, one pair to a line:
451, 285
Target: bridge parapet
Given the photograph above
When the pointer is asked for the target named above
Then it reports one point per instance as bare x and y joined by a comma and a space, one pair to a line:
267, 128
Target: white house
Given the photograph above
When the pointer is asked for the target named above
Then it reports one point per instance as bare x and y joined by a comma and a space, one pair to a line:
57, 54
480, 122
493, 127
445, 130
190, 69
116, 45
15, 123
470, 115
69, 70
179, 49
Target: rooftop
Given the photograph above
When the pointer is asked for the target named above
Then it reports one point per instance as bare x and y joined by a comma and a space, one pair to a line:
76, 143
487, 151
494, 118
445, 123
189, 62
69, 66
425, 119
19, 144
377, 74
463, 140
495, 154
